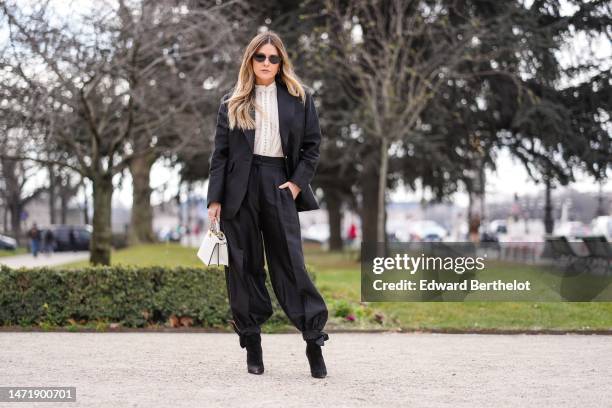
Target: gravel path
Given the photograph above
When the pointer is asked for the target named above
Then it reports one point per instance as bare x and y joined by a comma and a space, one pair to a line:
389, 369
57, 258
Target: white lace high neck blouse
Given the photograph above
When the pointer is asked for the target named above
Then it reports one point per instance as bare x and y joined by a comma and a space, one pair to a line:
267, 132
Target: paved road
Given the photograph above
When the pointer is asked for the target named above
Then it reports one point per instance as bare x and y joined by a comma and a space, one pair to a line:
56, 258
369, 370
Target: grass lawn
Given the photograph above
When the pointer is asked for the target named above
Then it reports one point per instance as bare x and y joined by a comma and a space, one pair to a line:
338, 278
18, 251
167, 254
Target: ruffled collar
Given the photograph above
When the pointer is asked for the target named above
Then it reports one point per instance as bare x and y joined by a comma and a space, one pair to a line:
266, 88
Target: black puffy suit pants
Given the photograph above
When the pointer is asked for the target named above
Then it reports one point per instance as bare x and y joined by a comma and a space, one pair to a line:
269, 211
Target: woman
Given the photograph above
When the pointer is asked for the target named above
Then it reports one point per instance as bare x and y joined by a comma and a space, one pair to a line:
266, 152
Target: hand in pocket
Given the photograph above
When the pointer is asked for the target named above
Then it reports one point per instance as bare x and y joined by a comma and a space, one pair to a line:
294, 190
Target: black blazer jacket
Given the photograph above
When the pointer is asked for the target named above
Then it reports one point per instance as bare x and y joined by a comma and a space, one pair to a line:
230, 162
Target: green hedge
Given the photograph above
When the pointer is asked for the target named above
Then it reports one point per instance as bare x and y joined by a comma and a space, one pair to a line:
130, 295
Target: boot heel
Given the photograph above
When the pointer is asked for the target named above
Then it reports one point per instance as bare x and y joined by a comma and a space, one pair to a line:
315, 360
255, 363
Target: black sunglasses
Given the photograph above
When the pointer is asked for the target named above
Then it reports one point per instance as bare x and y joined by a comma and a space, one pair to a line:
274, 59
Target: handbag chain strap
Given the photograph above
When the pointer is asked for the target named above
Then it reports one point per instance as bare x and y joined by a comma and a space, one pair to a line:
214, 228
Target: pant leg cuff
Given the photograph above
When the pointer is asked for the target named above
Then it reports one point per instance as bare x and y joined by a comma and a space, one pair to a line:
316, 336
249, 339
247, 336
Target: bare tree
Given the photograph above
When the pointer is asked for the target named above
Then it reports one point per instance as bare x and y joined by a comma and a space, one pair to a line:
103, 79
17, 176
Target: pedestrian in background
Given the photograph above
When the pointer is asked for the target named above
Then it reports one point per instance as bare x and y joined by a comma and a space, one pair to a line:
72, 240
351, 234
34, 235
48, 241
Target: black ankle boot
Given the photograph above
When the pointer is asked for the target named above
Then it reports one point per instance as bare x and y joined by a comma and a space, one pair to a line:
315, 359
254, 354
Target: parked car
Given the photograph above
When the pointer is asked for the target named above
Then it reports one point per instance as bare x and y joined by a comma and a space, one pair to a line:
602, 225
489, 237
497, 227
166, 234
61, 235
572, 230
416, 230
7, 242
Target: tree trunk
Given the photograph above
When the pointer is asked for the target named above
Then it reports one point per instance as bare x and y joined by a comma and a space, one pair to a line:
369, 204
177, 199
85, 204
63, 209
6, 212
51, 190
334, 214
12, 197
100, 245
382, 189
549, 222
189, 203
475, 186
141, 223
482, 199
15, 209
66, 192
601, 208
473, 216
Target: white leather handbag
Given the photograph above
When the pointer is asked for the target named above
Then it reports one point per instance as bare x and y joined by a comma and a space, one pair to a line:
213, 250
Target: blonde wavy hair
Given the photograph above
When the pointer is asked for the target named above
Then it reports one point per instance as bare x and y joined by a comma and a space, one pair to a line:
241, 104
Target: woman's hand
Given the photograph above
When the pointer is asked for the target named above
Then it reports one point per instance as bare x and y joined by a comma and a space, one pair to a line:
214, 211
295, 190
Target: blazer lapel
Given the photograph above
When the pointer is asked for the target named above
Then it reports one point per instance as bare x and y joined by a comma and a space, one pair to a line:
286, 110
